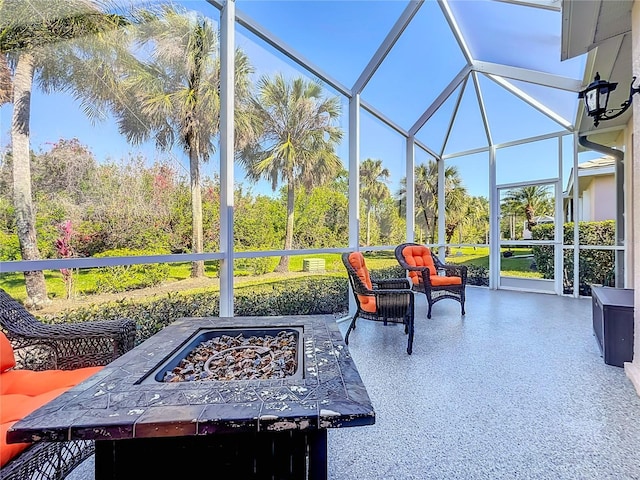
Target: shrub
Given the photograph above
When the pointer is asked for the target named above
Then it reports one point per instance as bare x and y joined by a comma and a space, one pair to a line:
595, 266
477, 275
121, 278
395, 271
301, 296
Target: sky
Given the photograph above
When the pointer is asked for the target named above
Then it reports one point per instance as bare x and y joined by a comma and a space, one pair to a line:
340, 37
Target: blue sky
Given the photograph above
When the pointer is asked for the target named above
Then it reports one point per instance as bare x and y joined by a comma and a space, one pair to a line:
340, 37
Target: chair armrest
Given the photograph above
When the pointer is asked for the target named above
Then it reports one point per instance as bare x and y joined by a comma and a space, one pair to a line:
74, 345
395, 303
391, 283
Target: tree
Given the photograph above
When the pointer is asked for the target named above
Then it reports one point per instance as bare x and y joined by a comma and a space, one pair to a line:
455, 198
528, 200
426, 194
172, 95
294, 123
372, 188
34, 35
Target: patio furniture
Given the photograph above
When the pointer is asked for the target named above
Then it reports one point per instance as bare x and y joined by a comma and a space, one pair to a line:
239, 428
430, 276
52, 348
64, 346
612, 312
389, 300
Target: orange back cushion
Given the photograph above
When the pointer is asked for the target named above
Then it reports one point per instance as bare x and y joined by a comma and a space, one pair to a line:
7, 360
418, 256
356, 260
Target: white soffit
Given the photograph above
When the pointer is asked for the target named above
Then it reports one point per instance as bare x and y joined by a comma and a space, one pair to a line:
587, 24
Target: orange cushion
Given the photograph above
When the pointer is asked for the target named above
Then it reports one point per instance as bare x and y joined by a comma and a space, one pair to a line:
356, 260
15, 406
24, 391
438, 281
8, 451
28, 382
418, 256
7, 360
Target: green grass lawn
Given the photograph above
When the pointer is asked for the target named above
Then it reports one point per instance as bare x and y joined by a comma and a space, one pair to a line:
517, 265
85, 279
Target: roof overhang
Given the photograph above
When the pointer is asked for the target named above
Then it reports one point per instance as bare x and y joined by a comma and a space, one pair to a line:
601, 28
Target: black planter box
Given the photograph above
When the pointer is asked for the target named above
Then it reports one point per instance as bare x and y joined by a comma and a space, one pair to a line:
613, 323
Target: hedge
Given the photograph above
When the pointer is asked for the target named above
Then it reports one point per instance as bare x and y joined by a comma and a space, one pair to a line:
595, 266
300, 296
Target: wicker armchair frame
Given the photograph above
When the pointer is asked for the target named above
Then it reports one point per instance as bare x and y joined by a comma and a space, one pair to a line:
40, 346
435, 293
394, 302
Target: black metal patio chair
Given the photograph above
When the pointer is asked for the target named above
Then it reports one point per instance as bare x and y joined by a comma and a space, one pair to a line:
389, 300
424, 270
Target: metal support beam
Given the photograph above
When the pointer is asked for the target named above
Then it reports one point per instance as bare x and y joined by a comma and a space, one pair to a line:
494, 224
483, 111
390, 40
354, 182
410, 202
227, 81
455, 29
532, 101
437, 103
526, 75
441, 208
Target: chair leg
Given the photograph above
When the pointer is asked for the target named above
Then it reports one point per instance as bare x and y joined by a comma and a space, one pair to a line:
429, 311
352, 326
462, 303
410, 340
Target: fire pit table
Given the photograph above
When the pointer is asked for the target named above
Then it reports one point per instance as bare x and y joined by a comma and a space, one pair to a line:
156, 411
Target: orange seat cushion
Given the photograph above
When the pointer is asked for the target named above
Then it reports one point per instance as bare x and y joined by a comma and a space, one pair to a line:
28, 382
8, 451
24, 391
356, 260
438, 281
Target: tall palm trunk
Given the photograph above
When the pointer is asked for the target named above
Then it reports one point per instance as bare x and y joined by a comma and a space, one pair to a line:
368, 226
530, 214
197, 242
283, 265
23, 203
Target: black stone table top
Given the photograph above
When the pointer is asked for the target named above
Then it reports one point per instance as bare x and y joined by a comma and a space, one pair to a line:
116, 404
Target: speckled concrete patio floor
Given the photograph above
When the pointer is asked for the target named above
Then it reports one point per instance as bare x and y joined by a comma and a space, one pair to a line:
516, 389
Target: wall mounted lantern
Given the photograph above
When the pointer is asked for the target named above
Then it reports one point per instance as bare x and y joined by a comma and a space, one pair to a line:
596, 97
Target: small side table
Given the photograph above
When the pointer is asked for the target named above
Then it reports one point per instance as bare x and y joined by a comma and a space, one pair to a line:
613, 323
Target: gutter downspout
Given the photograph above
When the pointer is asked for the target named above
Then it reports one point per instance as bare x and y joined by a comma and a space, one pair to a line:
619, 181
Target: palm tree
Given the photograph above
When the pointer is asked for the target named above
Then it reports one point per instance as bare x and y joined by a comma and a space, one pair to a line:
173, 96
528, 200
426, 194
372, 187
455, 197
297, 140
36, 35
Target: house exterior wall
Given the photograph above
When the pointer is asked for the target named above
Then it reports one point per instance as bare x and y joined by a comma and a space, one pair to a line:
585, 205
602, 199
632, 369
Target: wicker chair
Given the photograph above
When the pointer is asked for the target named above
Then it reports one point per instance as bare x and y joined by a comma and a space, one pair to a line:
385, 301
64, 346
423, 268
39, 346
